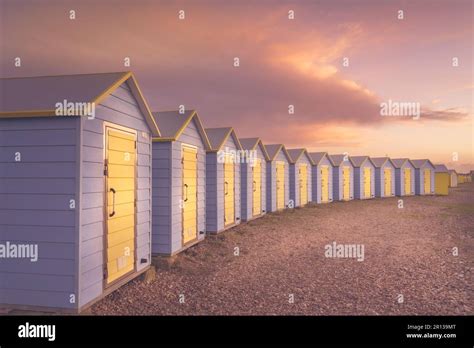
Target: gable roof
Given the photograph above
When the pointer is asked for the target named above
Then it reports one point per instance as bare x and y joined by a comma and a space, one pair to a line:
252, 143
295, 155
317, 157
399, 162
358, 161
273, 149
418, 163
37, 96
337, 160
441, 168
173, 123
380, 161
218, 136
453, 171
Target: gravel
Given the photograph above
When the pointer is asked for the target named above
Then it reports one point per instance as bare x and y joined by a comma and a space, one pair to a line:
408, 267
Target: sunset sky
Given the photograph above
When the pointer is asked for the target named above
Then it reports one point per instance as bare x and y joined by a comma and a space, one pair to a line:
282, 62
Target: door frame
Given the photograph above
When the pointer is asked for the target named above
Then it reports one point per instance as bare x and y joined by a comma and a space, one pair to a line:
106, 126
369, 169
276, 184
305, 165
348, 182
405, 169
385, 169
234, 159
197, 195
259, 161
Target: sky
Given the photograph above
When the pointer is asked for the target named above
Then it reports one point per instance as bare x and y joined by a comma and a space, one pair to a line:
300, 62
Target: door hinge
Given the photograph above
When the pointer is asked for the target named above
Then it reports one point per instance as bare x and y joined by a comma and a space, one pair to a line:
105, 273
135, 202
106, 167
135, 144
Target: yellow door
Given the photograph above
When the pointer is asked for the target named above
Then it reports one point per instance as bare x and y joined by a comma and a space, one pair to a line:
427, 177
325, 183
189, 200
303, 176
257, 188
346, 183
120, 185
387, 177
442, 183
407, 180
280, 185
229, 208
367, 183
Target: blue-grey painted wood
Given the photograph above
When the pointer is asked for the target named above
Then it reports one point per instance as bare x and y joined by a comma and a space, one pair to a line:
167, 191
400, 179
246, 178
271, 182
338, 181
35, 195
295, 180
316, 180
380, 180
49, 299
35, 234
120, 109
37, 154
420, 179
359, 180
215, 188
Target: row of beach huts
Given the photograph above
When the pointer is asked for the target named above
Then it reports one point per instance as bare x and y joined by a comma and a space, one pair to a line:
86, 198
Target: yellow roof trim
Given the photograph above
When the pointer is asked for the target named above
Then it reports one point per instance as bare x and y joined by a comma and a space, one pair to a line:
27, 113
149, 115
264, 150
276, 153
98, 99
201, 130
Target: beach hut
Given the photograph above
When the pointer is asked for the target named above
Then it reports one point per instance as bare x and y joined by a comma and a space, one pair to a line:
442, 179
300, 177
342, 178
384, 176
322, 177
75, 200
424, 176
461, 178
179, 182
278, 177
404, 177
253, 178
223, 180
364, 177
453, 178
